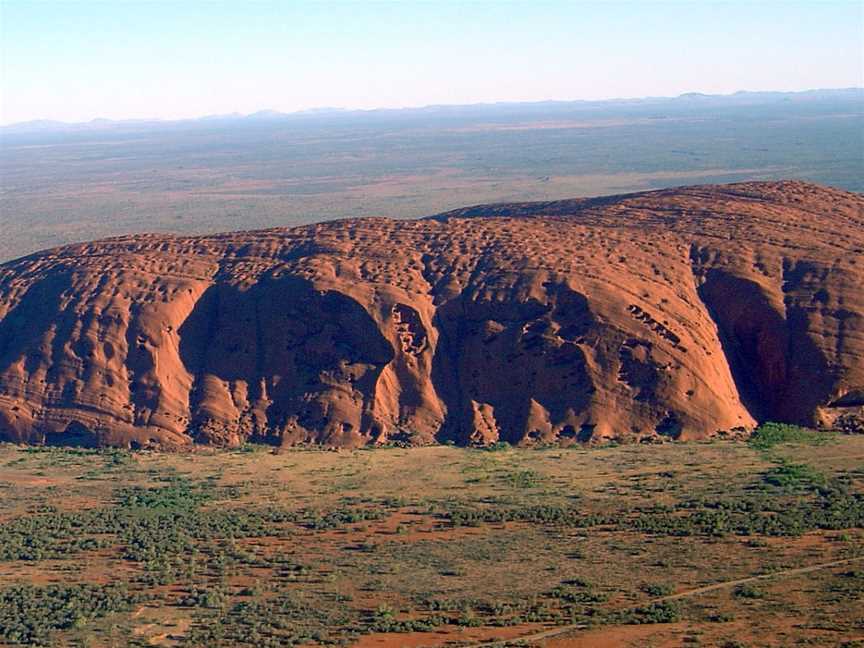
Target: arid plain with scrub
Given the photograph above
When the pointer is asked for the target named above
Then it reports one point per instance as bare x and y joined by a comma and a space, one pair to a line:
704, 543
64, 184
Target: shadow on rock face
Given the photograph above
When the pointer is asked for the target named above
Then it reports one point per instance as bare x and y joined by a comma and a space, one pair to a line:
779, 371
282, 358
24, 329
515, 364
567, 321
76, 435
32, 338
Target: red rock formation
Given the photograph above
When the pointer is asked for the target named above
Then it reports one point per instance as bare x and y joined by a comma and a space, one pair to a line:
678, 312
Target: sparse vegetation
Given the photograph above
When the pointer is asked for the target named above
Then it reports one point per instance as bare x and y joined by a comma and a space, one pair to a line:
769, 435
68, 190
256, 549
657, 589
748, 592
29, 615
794, 477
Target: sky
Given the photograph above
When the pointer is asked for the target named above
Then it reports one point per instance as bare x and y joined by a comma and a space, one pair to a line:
79, 60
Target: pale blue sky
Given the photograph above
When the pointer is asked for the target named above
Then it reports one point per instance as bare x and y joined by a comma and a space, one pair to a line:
75, 61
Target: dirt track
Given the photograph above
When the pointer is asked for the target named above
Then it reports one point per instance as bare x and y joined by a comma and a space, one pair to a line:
554, 632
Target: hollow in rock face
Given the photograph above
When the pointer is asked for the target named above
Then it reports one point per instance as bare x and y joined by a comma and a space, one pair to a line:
667, 314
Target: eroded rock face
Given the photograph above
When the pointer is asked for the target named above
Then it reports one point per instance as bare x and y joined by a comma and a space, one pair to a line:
675, 313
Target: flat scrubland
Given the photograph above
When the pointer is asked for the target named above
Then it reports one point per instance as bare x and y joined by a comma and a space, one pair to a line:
209, 176
706, 543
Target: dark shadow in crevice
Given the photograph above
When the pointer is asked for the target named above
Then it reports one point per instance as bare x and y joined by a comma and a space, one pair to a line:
780, 373
314, 356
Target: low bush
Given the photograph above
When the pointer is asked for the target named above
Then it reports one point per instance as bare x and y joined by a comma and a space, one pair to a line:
657, 589
748, 592
769, 435
794, 477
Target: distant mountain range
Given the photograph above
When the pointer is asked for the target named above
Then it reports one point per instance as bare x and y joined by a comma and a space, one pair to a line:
691, 98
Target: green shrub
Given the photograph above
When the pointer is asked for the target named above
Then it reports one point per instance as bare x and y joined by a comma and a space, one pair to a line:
524, 479
203, 598
577, 594
748, 592
657, 589
665, 612
794, 477
498, 446
769, 435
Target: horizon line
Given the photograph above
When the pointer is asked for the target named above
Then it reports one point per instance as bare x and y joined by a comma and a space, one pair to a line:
346, 109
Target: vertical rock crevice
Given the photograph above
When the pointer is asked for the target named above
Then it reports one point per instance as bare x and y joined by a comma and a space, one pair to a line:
780, 373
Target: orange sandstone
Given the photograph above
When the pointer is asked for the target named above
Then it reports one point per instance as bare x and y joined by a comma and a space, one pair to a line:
680, 312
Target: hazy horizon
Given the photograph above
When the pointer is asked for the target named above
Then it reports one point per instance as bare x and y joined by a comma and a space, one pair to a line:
348, 109
167, 61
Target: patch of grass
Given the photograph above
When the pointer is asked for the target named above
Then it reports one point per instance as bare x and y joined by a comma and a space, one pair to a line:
769, 435
794, 477
524, 479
